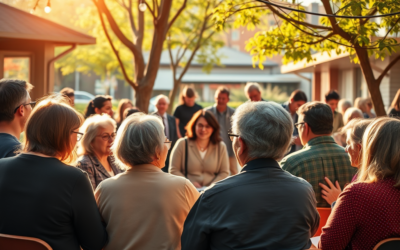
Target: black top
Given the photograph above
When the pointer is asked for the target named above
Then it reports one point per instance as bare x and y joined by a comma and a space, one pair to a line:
263, 207
46, 199
8, 145
184, 114
394, 113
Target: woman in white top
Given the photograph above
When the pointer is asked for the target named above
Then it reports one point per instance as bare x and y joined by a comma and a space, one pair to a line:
95, 149
201, 156
144, 208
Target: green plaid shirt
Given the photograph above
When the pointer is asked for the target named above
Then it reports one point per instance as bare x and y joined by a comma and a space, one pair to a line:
320, 158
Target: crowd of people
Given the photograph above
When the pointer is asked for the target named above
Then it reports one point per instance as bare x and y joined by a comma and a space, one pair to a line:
161, 181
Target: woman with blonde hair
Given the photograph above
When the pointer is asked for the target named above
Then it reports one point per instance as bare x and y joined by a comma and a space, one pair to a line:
394, 110
144, 208
184, 112
123, 105
95, 149
368, 210
41, 195
349, 115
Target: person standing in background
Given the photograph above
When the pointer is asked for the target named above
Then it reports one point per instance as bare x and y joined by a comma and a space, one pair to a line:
70, 94
343, 105
170, 124
15, 109
184, 112
332, 99
394, 110
223, 113
123, 105
296, 100
101, 104
253, 92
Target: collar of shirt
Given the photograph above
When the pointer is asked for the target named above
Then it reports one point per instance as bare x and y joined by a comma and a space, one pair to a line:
260, 163
222, 113
164, 116
144, 168
110, 160
320, 140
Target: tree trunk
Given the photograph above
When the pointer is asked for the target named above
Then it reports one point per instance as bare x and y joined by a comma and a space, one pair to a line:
172, 95
143, 95
373, 85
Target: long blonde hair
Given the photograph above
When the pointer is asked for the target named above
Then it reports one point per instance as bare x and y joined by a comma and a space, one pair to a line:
381, 151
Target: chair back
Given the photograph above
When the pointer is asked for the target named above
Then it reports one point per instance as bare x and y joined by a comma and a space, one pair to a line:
14, 242
388, 244
324, 213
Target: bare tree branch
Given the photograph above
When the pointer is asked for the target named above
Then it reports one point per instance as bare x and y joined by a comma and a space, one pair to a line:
386, 70
121, 64
183, 6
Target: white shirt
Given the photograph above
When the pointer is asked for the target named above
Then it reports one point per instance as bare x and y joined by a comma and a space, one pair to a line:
202, 154
111, 173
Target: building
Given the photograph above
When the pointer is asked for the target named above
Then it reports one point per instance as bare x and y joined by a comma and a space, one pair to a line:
338, 72
236, 70
27, 45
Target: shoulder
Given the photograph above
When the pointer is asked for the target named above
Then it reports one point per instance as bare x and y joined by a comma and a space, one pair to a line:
198, 106
221, 145
209, 108
85, 162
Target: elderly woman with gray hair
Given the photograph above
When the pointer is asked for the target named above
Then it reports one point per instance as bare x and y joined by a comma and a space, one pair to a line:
278, 208
144, 208
95, 149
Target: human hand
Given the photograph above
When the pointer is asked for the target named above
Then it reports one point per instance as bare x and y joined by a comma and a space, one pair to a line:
331, 193
197, 185
297, 140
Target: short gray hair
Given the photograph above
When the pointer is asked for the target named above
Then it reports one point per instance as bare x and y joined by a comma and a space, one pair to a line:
344, 104
265, 127
159, 97
89, 128
352, 113
138, 140
250, 86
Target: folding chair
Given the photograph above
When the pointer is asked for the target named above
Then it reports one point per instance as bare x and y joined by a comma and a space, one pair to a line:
14, 242
324, 213
388, 244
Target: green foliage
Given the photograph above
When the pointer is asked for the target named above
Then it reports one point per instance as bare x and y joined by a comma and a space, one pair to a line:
296, 39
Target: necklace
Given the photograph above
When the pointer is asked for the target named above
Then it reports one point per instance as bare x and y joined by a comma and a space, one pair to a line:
202, 149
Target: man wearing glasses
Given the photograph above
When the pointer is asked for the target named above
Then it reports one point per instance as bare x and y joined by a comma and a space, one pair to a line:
321, 157
15, 109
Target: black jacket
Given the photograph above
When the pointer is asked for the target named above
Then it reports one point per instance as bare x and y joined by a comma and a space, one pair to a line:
263, 207
46, 199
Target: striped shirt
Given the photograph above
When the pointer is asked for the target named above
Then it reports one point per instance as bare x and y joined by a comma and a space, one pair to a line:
321, 157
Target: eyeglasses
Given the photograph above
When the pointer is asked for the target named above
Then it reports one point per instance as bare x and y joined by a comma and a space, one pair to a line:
168, 144
31, 103
107, 137
299, 123
79, 135
231, 136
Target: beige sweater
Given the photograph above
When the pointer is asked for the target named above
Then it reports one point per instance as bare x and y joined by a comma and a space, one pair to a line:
214, 167
145, 208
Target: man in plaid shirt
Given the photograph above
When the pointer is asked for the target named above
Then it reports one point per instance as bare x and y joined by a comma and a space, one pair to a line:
321, 157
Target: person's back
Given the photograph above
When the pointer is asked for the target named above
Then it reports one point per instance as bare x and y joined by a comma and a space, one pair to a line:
9, 145
321, 157
263, 207
46, 199
144, 208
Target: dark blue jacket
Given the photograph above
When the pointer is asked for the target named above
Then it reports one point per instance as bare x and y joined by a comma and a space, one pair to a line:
263, 207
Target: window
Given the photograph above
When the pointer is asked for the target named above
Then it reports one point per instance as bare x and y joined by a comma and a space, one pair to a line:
17, 67
235, 35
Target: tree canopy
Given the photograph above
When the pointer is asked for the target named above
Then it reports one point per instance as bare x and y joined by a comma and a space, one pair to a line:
296, 38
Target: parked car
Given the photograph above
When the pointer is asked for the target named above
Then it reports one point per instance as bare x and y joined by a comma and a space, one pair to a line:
83, 97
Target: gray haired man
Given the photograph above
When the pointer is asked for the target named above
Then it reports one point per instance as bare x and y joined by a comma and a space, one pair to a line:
223, 113
263, 207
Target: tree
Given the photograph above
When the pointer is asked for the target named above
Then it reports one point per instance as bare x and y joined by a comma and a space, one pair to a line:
193, 38
297, 39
